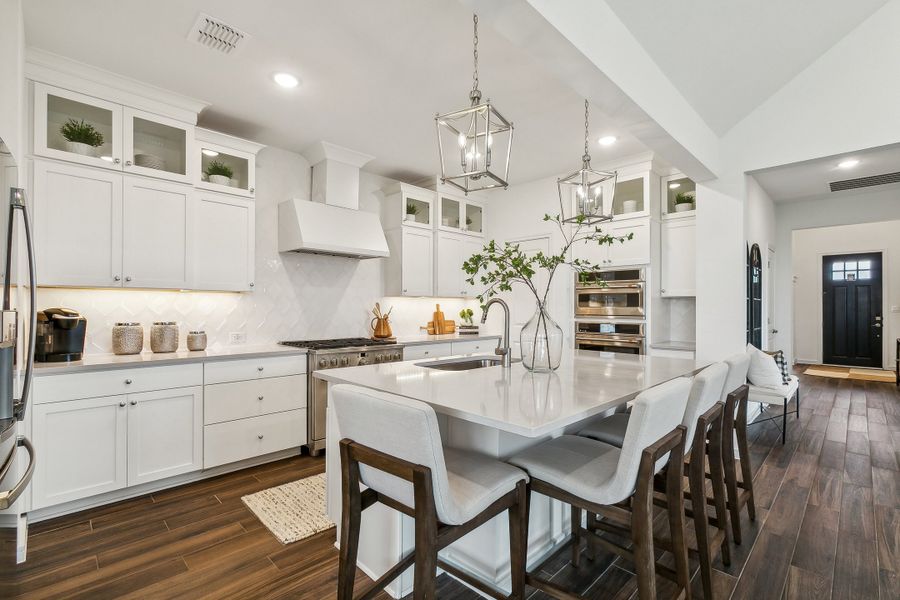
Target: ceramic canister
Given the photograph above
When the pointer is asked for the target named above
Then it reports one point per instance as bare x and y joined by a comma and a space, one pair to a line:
196, 340
164, 336
127, 338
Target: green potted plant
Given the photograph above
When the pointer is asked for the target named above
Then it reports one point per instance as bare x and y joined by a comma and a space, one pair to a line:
684, 201
466, 315
411, 211
81, 138
219, 173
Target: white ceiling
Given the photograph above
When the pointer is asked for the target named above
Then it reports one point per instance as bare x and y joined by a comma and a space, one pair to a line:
811, 178
373, 75
727, 57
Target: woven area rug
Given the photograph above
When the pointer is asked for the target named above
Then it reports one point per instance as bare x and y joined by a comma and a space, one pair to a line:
851, 373
293, 511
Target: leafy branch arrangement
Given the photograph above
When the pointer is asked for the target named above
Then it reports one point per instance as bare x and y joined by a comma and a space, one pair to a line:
81, 132
502, 266
218, 168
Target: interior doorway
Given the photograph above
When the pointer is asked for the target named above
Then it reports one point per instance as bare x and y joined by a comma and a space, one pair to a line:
852, 320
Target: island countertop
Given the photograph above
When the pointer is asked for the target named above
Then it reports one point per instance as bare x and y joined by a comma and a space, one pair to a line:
516, 400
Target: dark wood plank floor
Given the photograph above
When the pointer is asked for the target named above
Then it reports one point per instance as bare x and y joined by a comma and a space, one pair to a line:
828, 526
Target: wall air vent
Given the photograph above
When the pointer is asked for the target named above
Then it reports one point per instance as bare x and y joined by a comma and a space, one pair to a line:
216, 35
852, 184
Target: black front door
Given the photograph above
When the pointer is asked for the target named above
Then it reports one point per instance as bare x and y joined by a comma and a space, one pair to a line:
851, 316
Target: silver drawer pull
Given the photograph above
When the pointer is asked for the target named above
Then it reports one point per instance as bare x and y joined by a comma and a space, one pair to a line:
259, 398
134, 402
122, 404
260, 369
127, 382
260, 436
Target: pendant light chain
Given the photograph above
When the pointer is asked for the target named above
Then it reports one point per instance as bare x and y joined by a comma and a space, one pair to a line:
586, 157
475, 94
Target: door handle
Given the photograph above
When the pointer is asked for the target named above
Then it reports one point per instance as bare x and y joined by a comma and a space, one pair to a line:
877, 325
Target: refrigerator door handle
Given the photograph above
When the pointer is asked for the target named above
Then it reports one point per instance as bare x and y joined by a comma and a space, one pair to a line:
17, 202
9, 497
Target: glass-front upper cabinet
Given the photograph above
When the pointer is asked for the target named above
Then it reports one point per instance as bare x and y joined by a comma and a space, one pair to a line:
460, 214
678, 194
157, 146
474, 218
417, 207
77, 128
630, 196
225, 163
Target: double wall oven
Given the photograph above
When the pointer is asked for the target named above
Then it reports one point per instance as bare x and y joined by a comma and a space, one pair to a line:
609, 311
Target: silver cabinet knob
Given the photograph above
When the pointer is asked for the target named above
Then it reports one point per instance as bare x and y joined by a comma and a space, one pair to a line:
252, 190
404, 291
128, 278
662, 291
117, 278
251, 284
259, 437
122, 404
260, 369
127, 382
134, 402
116, 161
259, 398
127, 163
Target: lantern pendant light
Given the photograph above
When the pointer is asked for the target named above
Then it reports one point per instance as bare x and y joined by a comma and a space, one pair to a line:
586, 190
474, 143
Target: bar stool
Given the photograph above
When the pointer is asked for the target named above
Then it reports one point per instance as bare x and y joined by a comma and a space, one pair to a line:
734, 430
618, 484
393, 446
703, 419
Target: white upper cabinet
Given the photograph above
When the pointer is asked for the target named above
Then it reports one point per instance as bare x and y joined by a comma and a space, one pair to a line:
453, 250
635, 251
157, 146
410, 269
678, 258
678, 196
156, 234
78, 225
223, 241
224, 163
459, 214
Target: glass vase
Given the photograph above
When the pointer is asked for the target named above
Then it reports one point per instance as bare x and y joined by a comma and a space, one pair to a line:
541, 341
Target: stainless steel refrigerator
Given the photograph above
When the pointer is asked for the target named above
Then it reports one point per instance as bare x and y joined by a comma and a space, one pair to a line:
17, 326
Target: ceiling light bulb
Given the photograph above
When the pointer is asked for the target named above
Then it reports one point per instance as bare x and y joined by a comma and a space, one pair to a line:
674, 186
210, 153
848, 164
285, 80
607, 140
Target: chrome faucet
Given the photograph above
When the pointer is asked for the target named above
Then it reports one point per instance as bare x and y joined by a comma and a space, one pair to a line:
503, 350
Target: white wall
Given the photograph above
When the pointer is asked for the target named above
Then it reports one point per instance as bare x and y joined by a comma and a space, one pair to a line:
809, 245
878, 204
12, 61
298, 296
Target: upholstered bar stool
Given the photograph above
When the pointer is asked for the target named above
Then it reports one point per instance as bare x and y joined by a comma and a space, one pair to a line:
393, 446
618, 484
734, 431
703, 419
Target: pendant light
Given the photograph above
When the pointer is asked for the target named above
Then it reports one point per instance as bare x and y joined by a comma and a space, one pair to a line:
474, 143
586, 190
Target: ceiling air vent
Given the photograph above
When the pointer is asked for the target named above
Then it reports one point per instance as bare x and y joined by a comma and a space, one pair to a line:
852, 184
216, 35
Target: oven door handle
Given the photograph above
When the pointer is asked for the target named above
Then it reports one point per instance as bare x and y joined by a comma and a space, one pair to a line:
9, 497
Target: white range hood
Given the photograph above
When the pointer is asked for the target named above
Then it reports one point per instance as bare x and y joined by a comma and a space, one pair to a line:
331, 223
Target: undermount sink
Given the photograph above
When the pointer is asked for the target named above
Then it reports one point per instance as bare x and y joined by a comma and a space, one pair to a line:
463, 364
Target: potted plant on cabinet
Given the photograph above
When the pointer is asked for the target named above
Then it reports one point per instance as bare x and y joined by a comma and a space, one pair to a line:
411, 211
684, 201
81, 138
219, 173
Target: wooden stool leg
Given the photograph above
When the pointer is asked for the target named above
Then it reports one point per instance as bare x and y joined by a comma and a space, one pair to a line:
697, 484
518, 542
576, 536
744, 455
642, 539
351, 515
716, 468
425, 571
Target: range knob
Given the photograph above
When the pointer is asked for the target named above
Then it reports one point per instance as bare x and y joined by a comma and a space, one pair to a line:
345, 361
362, 361
333, 362
322, 362
378, 358
397, 356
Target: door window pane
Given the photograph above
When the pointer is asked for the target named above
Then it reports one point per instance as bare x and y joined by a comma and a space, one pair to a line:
865, 274
865, 264
837, 276
850, 265
838, 266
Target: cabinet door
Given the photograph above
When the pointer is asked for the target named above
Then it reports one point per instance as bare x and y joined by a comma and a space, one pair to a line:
417, 351
223, 242
679, 267
165, 434
82, 449
448, 270
417, 262
157, 146
54, 108
156, 234
469, 247
474, 218
78, 225
632, 252
242, 165
451, 213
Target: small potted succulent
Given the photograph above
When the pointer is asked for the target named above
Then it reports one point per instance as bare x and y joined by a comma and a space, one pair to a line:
81, 138
411, 211
684, 201
219, 173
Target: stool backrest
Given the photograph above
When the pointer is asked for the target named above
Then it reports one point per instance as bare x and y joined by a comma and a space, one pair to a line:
706, 390
655, 412
738, 367
400, 427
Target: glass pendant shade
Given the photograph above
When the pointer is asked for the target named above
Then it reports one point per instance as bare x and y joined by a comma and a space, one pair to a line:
474, 145
585, 192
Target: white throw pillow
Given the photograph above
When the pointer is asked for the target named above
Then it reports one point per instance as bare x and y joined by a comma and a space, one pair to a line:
763, 370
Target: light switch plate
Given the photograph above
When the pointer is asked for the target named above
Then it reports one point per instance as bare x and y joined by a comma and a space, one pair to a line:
895, 308
237, 337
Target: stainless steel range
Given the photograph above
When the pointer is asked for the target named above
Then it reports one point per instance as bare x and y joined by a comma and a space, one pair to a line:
335, 354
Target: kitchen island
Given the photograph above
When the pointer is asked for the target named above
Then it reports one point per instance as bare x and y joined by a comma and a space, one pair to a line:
497, 412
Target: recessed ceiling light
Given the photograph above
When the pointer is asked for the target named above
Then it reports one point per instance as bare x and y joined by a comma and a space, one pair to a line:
285, 80
607, 140
848, 164
210, 153
673, 186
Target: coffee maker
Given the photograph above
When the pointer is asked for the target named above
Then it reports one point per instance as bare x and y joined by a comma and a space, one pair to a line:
60, 335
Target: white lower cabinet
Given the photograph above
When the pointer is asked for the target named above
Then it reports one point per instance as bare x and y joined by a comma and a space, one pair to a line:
483, 346
82, 449
232, 441
165, 434
427, 351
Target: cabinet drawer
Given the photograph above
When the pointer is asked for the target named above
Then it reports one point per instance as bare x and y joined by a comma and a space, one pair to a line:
666, 353
427, 351
71, 386
254, 368
242, 399
475, 346
229, 442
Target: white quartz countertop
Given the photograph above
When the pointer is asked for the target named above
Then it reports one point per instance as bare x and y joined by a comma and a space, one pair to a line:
416, 340
104, 362
516, 400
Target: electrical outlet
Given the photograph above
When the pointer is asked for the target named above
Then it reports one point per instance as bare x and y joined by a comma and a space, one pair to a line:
237, 337
895, 309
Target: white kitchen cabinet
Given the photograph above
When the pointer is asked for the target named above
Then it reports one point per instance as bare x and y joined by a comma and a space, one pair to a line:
452, 250
224, 242
678, 258
157, 146
157, 250
232, 441
482, 346
409, 206
460, 214
635, 251
165, 434
236, 154
242, 399
410, 269
83, 449
78, 225
419, 351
